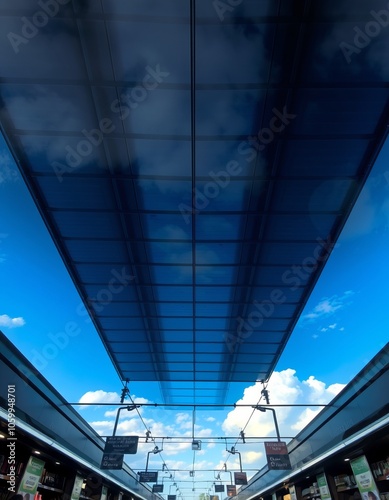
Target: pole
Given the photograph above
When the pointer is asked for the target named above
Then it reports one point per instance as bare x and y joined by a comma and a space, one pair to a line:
275, 423
117, 419
147, 461
240, 460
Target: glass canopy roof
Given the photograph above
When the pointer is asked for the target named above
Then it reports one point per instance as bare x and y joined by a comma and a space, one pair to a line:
194, 162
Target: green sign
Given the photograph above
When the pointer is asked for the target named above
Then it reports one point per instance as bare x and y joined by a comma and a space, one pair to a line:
77, 487
323, 487
292, 492
364, 478
31, 477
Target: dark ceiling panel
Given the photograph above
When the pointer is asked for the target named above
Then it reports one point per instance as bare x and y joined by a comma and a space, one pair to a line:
185, 159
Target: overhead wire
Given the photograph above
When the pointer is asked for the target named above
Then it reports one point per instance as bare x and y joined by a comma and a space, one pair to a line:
242, 430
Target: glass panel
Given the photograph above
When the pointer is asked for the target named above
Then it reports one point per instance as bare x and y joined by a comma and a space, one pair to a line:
227, 54
216, 253
97, 251
161, 158
150, 53
170, 253
44, 57
74, 193
30, 108
219, 227
234, 112
164, 195
166, 227
88, 224
172, 274
158, 114
174, 293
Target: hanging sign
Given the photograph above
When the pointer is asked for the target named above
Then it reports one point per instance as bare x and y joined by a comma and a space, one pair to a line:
231, 490
240, 478
277, 455
157, 488
112, 461
125, 445
219, 488
364, 478
148, 477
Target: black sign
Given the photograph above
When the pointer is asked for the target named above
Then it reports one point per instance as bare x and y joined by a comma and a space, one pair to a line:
240, 478
112, 461
148, 477
231, 490
126, 445
219, 488
157, 488
171, 497
277, 456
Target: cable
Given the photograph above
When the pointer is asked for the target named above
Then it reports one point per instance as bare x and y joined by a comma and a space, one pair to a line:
244, 428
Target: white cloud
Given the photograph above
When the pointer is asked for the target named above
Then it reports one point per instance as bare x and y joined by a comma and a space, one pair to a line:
251, 457
8, 322
318, 393
328, 306
284, 388
168, 432
182, 417
305, 417
333, 326
94, 397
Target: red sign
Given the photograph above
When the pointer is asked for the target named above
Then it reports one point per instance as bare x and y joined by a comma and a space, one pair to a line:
231, 490
277, 455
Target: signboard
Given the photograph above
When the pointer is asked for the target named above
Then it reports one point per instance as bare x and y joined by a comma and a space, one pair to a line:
231, 490
77, 487
112, 461
29, 483
148, 477
104, 493
219, 488
125, 445
240, 478
323, 486
277, 455
364, 478
292, 492
171, 497
157, 488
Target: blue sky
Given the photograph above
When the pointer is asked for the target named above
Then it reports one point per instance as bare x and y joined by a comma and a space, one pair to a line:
344, 324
